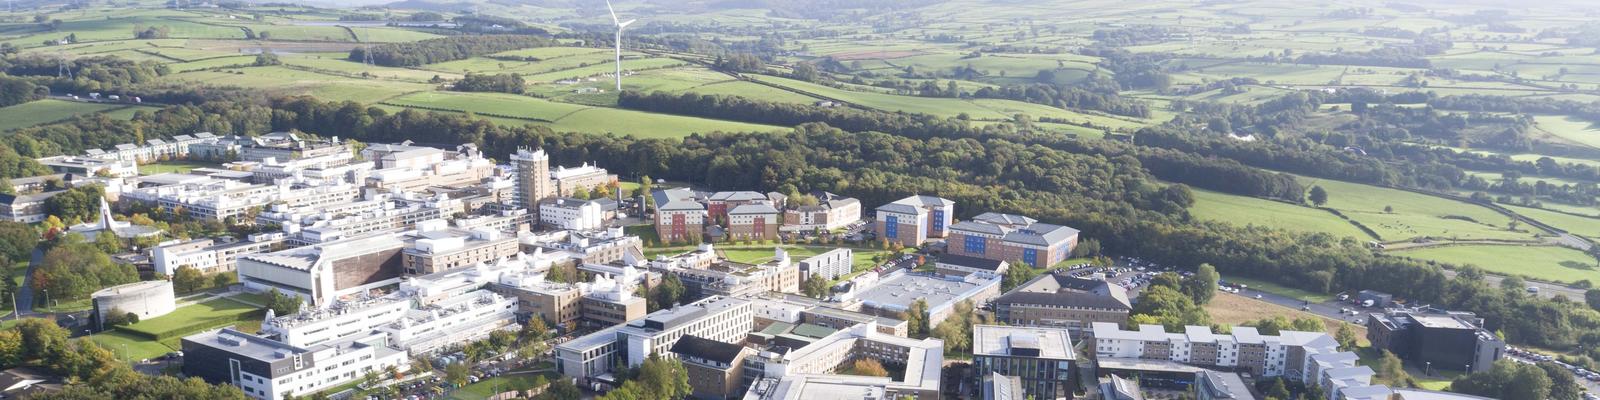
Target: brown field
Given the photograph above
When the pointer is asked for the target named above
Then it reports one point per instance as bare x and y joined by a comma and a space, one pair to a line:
1232, 309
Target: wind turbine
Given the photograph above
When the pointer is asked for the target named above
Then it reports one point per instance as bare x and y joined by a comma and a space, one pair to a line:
620, 24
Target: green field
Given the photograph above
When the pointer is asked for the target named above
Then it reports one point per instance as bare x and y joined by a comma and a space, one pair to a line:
1280, 290
47, 111
192, 318
488, 387
1242, 210
574, 117
1582, 226
1571, 129
1547, 263
1415, 215
130, 347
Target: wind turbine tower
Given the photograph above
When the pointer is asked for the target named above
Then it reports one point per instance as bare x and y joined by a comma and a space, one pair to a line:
620, 24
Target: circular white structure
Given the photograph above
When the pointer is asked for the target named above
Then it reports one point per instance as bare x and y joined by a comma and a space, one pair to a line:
148, 299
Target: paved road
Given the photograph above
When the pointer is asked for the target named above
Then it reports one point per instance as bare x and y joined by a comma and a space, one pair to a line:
25, 293
1546, 289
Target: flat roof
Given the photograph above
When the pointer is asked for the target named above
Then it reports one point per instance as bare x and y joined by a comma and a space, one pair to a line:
898, 291
997, 340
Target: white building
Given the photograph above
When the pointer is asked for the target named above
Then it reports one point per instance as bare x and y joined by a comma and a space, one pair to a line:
808, 372
723, 319
324, 272
571, 214
211, 255
831, 265
268, 369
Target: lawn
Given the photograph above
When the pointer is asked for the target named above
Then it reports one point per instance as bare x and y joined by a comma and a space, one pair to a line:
172, 167
983, 109
1548, 263
1414, 215
130, 347
1280, 290
1244, 210
47, 111
192, 318
487, 387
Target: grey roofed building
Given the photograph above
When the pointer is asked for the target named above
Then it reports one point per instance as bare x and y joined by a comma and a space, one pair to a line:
1062, 289
1000, 387
913, 204
1004, 219
676, 199
753, 209
1222, 385
737, 196
1040, 234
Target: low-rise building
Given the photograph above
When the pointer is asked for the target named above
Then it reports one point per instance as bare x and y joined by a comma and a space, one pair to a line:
434, 247
568, 181
959, 265
831, 212
720, 204
91, 166
1041, 357
913, 220
679, 217
753, 222
1061, 300
571, 214
148, 299
25, 208
830, 265
1008, 237
211, 255
1443, 339
894, 293
267, 369
715, 369
811, 372
592, 358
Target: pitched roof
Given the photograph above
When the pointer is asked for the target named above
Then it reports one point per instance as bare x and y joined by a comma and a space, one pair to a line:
753, 209
1041, 234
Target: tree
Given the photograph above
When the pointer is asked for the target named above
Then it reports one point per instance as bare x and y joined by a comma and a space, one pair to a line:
1506, 380
1167, 279
1592, 297
667, 294
1170, 308
1318, 196
1346, 337
560, 389
816, 286
41, 339
457, 373
1563, 386
11, 351
916, 317
1202, 286
535, 330
17, 240
283, 304
1513, 284
188, 279
221, 280
1391, 371
1278, 390
1016, 275
867, 367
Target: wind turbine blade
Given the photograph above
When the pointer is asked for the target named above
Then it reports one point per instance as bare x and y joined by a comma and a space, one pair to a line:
613, 12
625, 24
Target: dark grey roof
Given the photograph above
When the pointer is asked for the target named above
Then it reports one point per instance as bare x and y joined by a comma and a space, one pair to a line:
1056, 289
28, 198
1041, 234
675, 199
1004, 219
978, 227
970, 262
737, 196
695, 346
1063, 299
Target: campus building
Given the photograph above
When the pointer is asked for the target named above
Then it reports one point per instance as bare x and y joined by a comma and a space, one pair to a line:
831, 212
268, 369
1450, 340
1061, 300
812, 371
715, 369
893, 294
592, 358
565, 213
753, 222
679, 217
1041, 357
434, 247
533, 177
913, 220
568, 181
322, 273
720, 204
830, 265
1007, 237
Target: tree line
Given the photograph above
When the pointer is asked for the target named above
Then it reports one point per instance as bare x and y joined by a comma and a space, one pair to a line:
410, 54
